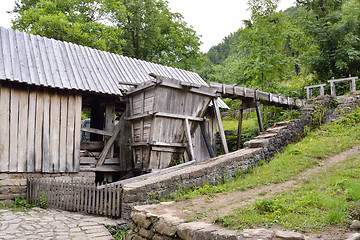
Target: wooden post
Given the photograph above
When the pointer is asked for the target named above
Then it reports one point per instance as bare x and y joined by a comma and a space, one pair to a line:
240, 127
257, 107
207, 139
188, 136
352, 85
109, 123
332, 88
308, 93
220, 126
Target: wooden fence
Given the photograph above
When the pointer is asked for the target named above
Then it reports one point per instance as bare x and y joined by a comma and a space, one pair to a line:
75, 196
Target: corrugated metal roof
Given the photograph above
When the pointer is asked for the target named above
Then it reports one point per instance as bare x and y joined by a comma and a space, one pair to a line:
47, 62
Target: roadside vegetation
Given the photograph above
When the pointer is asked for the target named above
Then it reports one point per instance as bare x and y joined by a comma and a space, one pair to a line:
324, 199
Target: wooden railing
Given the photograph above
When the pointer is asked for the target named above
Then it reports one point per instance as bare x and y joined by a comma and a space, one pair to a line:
78, 196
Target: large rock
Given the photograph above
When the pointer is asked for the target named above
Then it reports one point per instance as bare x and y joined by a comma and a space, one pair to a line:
355, 225
140, 219
355, 236
288, 235
258, 234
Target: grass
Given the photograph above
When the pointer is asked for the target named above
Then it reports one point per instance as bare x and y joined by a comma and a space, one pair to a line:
328, 199
324, 199
232, 123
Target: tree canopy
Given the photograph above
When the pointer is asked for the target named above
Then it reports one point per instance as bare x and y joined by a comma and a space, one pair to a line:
143, 29
309, 43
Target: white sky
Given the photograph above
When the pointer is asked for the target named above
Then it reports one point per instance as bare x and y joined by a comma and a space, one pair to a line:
212, 19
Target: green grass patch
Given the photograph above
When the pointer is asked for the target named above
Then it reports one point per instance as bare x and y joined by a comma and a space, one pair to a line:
324, 199
336, 137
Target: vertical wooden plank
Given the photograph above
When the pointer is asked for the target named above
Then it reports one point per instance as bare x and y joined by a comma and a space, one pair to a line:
77, 133
93, 186
78, 196
63, 131
5, 128
188, 136
241, 110
46, 161
23, 124
31, 132
109, 204
101, 202
38, 130
86, 188
220, 126
257, 108
70, 134
118, 203
105, 199
97, 199
14, 121
54, 131
110, 123
113, 192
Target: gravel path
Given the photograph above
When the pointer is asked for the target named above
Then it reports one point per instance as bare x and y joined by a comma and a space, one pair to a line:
45, 224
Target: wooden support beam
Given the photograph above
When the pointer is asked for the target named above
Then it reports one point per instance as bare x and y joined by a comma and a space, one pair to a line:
258, 114
188, 136
108, 145
220, 126
207, 139
97, 131
240, 127
109, 123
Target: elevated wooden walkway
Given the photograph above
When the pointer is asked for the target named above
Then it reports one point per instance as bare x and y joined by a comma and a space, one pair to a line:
250, 95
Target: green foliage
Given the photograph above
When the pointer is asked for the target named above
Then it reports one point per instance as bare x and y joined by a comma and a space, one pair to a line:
76, 21
43, 200
143, 29
120, 234
20, 204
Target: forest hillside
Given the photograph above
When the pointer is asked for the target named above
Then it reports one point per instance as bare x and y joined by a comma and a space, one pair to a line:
282, 51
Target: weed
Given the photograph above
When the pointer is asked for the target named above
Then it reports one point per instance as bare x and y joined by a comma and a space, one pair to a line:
121, 234
43, 200
20, 204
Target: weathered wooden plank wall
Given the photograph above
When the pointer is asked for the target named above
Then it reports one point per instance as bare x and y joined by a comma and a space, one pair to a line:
40, 129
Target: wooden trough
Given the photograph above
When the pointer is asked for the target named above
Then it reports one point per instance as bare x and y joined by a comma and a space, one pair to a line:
164, 115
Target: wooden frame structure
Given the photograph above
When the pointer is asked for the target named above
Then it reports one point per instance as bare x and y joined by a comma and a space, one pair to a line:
350, 79
309, 90
164, 120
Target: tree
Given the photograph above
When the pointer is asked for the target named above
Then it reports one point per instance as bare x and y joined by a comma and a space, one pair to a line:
144, 29
77, 21
337, 37
263, 42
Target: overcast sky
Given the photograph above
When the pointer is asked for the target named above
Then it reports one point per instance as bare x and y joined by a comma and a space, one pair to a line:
212, 19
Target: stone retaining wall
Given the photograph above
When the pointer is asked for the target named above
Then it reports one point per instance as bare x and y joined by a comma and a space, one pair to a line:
149, 224
14, 184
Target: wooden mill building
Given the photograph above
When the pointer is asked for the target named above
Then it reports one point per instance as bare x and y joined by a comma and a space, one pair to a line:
46, 84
